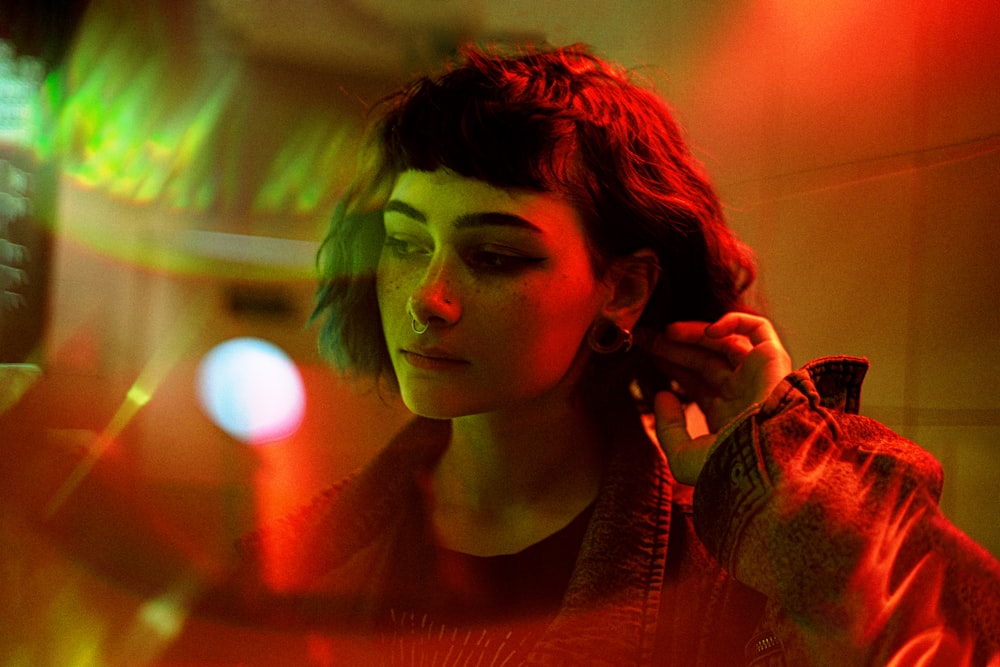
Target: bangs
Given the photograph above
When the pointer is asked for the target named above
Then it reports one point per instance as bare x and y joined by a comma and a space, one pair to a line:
477, 131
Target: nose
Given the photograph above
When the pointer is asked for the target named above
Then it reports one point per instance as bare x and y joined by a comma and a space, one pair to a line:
435, 301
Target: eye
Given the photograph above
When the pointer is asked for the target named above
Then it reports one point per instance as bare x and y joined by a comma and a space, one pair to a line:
500, 262
401, 247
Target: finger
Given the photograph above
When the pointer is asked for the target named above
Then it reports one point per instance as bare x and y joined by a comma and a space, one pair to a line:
761, 333
757, 329
671, 422
685, 456
732, 347
690, 364
684, 382
692, 331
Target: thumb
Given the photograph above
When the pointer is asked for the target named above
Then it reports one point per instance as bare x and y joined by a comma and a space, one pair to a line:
671, 422
686, 456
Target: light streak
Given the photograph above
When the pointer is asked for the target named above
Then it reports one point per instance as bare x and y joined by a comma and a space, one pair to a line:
138, 395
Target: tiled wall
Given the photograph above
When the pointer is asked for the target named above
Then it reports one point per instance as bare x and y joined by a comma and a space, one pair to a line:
901, 268
859, 151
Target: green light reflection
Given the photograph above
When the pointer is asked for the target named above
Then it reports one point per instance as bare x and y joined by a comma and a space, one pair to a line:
148, 126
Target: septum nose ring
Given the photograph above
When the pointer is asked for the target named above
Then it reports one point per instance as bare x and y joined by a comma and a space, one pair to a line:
415, 323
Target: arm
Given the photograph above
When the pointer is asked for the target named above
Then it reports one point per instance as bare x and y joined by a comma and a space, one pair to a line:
835, 519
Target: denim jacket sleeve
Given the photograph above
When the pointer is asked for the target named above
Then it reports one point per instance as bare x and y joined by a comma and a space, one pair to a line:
834, 518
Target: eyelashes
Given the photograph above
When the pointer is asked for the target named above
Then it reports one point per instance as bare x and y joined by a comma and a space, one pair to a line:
479, 259
401, 247
497, 262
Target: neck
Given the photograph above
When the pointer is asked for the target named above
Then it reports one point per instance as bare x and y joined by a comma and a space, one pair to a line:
510, 478
517, 458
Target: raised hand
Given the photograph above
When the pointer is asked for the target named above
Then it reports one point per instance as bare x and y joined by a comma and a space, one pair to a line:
724, 367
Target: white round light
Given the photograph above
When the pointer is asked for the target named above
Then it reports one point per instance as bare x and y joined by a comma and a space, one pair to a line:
252, 390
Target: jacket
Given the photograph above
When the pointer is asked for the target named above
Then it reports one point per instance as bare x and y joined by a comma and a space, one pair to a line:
812, 537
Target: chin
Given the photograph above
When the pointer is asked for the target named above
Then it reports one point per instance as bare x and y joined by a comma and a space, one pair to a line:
455, 404
437, 405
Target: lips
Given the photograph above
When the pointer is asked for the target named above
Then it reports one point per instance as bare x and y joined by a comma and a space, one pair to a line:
432, 359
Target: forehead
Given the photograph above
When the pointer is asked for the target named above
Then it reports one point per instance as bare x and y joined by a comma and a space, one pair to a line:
443, 198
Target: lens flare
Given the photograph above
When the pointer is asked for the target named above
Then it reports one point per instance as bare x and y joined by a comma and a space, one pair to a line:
252, 390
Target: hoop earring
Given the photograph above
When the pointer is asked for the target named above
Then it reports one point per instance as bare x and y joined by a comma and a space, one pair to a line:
418, 327
607, 337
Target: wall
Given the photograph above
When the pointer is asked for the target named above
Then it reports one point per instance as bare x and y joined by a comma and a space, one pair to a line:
858, 148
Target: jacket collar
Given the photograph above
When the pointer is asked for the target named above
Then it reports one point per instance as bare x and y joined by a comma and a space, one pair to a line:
609, 614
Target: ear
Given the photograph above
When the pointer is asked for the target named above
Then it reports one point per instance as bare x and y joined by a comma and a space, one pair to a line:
630, 281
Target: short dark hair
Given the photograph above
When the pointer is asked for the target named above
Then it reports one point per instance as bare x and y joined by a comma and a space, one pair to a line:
553, 119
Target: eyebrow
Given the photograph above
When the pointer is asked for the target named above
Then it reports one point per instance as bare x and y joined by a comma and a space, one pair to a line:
467, 220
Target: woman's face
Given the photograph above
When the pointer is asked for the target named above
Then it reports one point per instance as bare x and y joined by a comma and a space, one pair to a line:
504, 280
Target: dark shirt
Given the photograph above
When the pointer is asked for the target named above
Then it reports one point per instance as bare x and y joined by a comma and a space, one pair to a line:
479, 609
465, 590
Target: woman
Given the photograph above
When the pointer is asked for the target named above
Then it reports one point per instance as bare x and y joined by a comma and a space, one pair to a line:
530, 257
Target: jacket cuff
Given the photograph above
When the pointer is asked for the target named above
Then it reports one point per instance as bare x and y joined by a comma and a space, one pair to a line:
734, 484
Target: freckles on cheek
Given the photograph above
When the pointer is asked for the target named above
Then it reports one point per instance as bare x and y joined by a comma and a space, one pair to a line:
386, 284
386, 297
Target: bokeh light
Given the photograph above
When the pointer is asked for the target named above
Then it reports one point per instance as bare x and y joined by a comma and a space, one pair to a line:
252, 390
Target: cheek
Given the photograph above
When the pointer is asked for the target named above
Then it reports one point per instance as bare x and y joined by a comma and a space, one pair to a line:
388, 285
549, 324
391, 310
